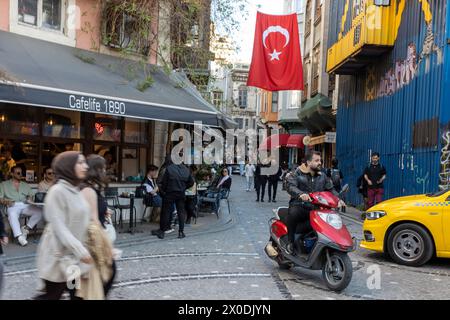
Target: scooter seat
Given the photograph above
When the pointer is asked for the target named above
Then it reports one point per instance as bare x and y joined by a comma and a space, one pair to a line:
283, 213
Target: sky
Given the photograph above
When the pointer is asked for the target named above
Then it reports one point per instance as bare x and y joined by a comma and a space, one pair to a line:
245, 37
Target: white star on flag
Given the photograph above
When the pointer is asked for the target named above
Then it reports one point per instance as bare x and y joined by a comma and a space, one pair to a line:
275, 55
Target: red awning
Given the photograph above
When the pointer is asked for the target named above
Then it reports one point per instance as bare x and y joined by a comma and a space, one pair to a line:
282, 140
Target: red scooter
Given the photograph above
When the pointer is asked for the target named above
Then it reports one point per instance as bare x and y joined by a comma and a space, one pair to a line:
325, 247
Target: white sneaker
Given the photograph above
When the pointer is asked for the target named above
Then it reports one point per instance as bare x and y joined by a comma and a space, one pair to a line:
169, 231
25, 231
22, 240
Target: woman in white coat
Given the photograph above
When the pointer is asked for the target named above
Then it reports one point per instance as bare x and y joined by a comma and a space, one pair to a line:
62, 255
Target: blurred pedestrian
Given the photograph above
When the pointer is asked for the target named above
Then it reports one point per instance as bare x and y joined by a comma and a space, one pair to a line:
61, 251
99, 245
335, 174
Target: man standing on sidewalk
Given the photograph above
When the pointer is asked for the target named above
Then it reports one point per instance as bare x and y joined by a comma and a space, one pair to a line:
375, 174
176, 179
249, 174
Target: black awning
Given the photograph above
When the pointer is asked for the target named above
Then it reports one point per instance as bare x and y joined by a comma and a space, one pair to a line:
39, 73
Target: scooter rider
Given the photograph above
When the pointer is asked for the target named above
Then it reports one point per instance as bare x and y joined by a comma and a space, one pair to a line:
307, 178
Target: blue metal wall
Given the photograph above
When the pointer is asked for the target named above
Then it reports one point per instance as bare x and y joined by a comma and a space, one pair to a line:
385, 124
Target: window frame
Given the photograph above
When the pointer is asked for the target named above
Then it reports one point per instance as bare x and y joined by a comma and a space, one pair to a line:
40, 14
243, 97
274, 102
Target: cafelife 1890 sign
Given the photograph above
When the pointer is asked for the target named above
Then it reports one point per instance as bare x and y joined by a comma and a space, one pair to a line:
90, 104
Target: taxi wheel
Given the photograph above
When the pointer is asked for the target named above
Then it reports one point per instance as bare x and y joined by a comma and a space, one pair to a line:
410, 244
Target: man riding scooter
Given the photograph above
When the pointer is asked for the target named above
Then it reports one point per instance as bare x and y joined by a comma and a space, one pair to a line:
307, 178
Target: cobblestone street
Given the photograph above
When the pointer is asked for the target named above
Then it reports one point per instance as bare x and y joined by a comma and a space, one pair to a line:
224, 259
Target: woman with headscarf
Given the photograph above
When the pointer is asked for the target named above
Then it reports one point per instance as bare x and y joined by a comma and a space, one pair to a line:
99, 245
62, 255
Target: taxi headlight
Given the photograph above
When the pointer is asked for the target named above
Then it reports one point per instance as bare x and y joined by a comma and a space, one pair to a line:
374, 215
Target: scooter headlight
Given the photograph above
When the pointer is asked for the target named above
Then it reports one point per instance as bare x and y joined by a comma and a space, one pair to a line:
374, 215
332, 219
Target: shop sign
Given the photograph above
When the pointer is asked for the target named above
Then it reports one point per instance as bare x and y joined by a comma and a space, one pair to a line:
90, 104
330, 137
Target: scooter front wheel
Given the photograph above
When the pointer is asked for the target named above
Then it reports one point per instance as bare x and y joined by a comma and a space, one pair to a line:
338, 271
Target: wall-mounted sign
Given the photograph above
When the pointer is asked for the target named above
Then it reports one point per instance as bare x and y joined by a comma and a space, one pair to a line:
330, 137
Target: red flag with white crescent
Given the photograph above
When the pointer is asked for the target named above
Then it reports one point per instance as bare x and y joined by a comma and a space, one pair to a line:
276, 62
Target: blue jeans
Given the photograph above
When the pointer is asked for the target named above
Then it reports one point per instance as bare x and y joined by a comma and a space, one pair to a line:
218, 195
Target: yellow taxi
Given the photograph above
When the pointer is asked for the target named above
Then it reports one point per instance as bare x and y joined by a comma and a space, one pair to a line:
410, 229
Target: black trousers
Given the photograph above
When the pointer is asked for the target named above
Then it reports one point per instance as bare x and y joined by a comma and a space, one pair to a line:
108, 285
297, 214
167, 209
260, 185
54, 291
273, 185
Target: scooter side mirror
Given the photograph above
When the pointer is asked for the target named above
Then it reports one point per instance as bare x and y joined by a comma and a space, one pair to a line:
345, 189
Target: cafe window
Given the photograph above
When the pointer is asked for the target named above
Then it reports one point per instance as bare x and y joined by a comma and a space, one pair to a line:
107, 128
24, 154
135, 131
41, 13
111, 155
133, 164
51, 149
63, 124
17, 120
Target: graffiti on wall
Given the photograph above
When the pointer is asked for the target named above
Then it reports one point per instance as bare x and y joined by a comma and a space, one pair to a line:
444, 175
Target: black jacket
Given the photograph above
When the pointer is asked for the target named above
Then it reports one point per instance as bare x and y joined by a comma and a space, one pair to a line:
226, 184
177, 178
258, 175
299, 182
276, 177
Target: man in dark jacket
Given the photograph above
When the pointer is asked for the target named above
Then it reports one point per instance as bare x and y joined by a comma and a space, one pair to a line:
375, 174
306, 179
260, 182
176, 179
273, 182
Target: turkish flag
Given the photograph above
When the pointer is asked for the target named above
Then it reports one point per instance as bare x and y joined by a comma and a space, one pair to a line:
276, 62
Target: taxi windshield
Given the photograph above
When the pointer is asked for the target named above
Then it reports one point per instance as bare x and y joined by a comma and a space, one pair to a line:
437, 194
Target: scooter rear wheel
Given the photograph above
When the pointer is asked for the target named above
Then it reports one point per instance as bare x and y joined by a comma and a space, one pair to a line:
337, 276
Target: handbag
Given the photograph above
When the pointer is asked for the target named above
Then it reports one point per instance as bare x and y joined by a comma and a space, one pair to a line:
110, 230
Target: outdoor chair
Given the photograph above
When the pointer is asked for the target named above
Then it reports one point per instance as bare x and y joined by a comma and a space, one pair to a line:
112, 199
225, 196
